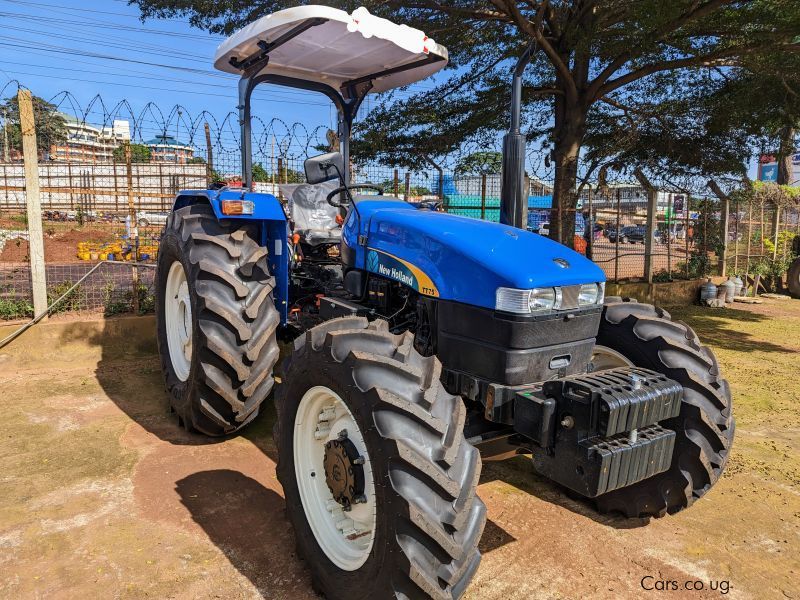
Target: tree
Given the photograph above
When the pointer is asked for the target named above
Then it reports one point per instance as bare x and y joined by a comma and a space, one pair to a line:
480, 163
139, 153
51, 127
286, 175
586, 54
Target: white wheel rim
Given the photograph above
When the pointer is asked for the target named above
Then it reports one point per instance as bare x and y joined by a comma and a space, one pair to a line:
346, 537
604, 358
178, 319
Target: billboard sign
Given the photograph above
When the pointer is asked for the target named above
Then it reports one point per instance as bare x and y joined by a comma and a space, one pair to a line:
768, 168
768, 172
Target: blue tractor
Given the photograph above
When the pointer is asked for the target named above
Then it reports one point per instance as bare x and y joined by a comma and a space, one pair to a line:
417, 343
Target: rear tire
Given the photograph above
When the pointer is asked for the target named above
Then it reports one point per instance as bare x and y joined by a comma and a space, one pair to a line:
230, 320
427, 517
793, 277
648, 338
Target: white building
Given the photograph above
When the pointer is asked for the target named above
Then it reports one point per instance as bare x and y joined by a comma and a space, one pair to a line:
87, 143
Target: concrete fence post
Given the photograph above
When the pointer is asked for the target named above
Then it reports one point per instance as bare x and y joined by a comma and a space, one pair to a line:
649, 238
33, 202
724, 224
209, 157
133, 230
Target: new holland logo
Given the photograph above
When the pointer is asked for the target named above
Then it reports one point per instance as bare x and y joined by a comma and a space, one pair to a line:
372, 261
402, 271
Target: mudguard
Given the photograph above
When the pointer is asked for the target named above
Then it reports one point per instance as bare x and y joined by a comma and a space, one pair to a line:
268, 212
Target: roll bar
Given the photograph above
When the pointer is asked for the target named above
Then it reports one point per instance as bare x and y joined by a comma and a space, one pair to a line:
347, 99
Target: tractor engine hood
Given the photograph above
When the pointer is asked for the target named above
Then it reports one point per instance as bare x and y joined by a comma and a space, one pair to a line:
460, 258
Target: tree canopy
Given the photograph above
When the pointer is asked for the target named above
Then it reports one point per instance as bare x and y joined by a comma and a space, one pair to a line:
480, 163
612, 83
51, 127
139, 153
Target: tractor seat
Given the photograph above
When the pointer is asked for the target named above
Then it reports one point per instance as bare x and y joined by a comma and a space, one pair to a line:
314, 219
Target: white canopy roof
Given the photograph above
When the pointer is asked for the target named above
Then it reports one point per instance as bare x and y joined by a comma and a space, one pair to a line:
343, 48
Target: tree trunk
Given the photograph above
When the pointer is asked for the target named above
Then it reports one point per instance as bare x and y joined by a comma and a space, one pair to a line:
785, 153
568, 137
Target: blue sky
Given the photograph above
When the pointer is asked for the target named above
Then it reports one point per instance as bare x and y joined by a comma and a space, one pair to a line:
87, 47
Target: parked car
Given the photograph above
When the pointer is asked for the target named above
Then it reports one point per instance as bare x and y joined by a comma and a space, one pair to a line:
145, 219
636, 234
611, 233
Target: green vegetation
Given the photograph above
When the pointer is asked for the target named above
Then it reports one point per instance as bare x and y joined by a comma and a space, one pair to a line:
139, 153
285, 175
71, 303
117, 302
15, 308
480, 163
50, 125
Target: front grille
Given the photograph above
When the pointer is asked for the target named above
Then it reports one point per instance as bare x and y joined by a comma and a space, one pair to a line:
569, 297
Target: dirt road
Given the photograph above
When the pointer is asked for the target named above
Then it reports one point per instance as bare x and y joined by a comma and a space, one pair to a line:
102, 496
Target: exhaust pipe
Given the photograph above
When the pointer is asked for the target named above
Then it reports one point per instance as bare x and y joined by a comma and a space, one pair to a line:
513, 195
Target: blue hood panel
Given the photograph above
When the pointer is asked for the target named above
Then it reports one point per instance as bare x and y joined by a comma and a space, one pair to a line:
465, 259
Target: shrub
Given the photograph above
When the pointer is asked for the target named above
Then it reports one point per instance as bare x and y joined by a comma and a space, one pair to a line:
15, 308
72, 302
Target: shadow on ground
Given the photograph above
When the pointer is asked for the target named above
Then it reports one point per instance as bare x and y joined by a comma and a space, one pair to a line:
518, 472
130, 374
236, 512
239, 516
717, 327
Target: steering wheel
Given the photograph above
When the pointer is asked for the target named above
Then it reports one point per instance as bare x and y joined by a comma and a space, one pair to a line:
340, 189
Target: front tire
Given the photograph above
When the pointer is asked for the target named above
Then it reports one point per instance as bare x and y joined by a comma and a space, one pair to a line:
647, 337
415, 531
215, 320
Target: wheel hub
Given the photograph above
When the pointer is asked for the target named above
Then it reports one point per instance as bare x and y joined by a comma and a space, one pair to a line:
178, 317
344, 471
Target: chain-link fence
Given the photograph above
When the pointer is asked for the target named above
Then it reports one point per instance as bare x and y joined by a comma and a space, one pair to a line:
105, 190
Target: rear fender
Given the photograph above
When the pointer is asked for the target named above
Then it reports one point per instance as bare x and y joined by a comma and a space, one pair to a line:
269, 213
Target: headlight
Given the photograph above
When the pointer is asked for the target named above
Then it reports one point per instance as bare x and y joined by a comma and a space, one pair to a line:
544, 299
588, 294
527, 301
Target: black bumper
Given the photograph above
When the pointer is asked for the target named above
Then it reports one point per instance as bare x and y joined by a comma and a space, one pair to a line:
513, 350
